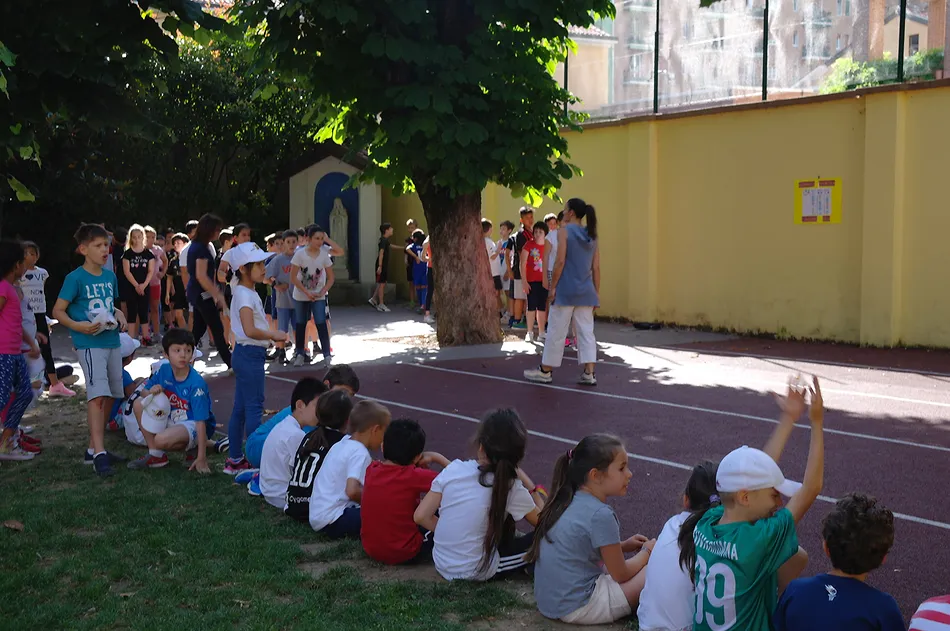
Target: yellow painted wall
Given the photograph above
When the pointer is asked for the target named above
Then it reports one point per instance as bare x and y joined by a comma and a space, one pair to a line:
697, 218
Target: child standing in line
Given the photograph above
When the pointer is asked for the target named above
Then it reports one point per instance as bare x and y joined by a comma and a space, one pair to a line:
578, 531
416, 254
277, 457
410, 239
519, 240
311, 273
278, 271
14, 374
251, 337
187, 420
33, 284
478, 501
391, 495
534, 274
176, 299
138, 266
382, 267
503, 247
333, 412
338, 488
495, 259
858, 534
430, 280
35, 366
155, 283
751, 519
86, 306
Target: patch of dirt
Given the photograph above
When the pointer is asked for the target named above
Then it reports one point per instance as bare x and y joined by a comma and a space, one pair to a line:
60, 422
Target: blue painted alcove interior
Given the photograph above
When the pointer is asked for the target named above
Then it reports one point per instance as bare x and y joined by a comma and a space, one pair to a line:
328, 189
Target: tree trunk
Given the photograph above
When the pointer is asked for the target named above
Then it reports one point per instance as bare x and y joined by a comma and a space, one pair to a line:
465, 297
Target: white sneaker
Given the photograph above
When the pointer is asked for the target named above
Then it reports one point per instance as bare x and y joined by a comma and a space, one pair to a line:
587, 379
528, 337
536, 375
542, 338
299, 361
10, 451
382, 308
373, 302
428, 319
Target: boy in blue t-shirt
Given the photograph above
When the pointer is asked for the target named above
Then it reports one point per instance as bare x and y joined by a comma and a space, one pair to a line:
86, 306
858, 534
191, 418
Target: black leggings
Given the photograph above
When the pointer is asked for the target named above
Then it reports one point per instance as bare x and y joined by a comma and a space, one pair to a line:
138, 307
430, 281
45, 349
207, 317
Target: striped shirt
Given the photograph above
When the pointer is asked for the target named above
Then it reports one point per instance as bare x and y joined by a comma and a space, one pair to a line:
932, 615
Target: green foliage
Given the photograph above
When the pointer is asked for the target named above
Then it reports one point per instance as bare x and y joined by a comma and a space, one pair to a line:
445, 95
848, 74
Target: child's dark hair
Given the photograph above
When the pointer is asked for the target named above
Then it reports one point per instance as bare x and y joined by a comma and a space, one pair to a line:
11, 254
90, 231
226, 236
486, 225
582, 209
503, 437
334, 408
191, 225
271, 238
507, 224
313, 229
525, 210
289, 234
701, 495
596, 451
207, 226
540, 225
306, 390
859, 532
418, 236
367, 414
384, 227
239, 228
342, 375
177, 336
301, 232
180, 236
404, 441
31, 245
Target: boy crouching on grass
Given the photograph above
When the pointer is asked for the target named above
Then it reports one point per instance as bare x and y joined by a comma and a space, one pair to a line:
391, 493
183, 422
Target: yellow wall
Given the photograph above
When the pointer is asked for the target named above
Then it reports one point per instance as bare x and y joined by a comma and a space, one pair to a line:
696, 218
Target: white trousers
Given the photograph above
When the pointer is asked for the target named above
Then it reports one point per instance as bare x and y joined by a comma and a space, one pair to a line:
559, 323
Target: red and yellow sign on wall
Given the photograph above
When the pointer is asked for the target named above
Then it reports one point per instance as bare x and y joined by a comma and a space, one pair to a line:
818, 201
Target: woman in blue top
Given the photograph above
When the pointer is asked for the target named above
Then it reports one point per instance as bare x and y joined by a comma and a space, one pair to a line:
575, 290
203, 292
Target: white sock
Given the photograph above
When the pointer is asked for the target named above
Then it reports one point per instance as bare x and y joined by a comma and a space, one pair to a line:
158, 453
89, 451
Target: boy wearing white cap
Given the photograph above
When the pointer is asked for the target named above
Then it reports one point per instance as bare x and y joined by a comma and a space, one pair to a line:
742, 545
189, 420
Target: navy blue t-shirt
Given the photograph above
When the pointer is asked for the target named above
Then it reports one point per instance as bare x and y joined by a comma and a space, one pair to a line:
836, 603
197, 251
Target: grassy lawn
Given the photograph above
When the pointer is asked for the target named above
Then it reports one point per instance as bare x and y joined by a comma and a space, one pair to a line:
168, 549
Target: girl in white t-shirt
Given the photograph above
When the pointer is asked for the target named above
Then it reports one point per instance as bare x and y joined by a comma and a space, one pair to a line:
479, 501
311, 274
251, 337
668, 600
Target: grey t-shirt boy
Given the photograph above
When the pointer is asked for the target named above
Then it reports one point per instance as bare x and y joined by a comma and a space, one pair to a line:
568, 565
278, 268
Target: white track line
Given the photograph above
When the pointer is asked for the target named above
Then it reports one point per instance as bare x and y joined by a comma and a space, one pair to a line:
776, 384
680, 406
568, 441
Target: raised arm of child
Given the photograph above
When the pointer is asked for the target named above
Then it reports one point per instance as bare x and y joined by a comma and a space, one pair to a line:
433, 457
622, 569
792, 406
335, 249
425, 512
799, 504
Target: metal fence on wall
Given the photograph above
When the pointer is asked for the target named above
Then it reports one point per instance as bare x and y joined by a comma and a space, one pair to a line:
665, 56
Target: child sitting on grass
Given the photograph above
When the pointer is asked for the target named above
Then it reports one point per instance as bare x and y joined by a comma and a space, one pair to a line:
191, 420
577, 531
391, 494
478, 502
333, 413
749, 541
857, 534
277, 458
338, 488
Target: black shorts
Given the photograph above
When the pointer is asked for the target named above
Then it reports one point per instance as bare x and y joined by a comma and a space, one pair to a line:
383, 278
498, 285
179, 300
538, 298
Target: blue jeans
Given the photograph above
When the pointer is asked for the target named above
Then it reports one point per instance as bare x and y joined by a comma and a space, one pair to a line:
303, 310
248, 364
286, 320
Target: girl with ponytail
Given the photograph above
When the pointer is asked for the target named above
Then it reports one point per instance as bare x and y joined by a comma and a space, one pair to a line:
667, 602
475, 504
578, 533
574, 292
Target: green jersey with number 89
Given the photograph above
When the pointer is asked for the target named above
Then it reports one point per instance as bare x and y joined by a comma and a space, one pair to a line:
736, 564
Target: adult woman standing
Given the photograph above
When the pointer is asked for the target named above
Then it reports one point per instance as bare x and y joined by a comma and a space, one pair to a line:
575, 291
203, 292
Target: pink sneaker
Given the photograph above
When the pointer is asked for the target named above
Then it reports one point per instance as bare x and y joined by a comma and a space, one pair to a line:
59, 390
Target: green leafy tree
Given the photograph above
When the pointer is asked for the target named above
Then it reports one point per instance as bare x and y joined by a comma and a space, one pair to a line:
848, 74
443, 97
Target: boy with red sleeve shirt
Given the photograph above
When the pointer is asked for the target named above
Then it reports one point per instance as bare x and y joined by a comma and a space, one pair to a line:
391, 492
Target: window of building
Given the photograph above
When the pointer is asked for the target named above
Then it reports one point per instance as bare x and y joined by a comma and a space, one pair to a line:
838, 43
840, 7
686, 30
795, 5
795, 39
914, 44
847, 7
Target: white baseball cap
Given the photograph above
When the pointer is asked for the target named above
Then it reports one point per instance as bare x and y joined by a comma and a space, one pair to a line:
156, 412
127, 345
246, 253
749, 469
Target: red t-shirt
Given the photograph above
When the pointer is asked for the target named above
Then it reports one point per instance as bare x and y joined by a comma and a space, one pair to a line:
391, 494
534, 254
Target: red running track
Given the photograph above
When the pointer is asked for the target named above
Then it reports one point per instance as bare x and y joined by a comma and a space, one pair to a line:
898, 451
